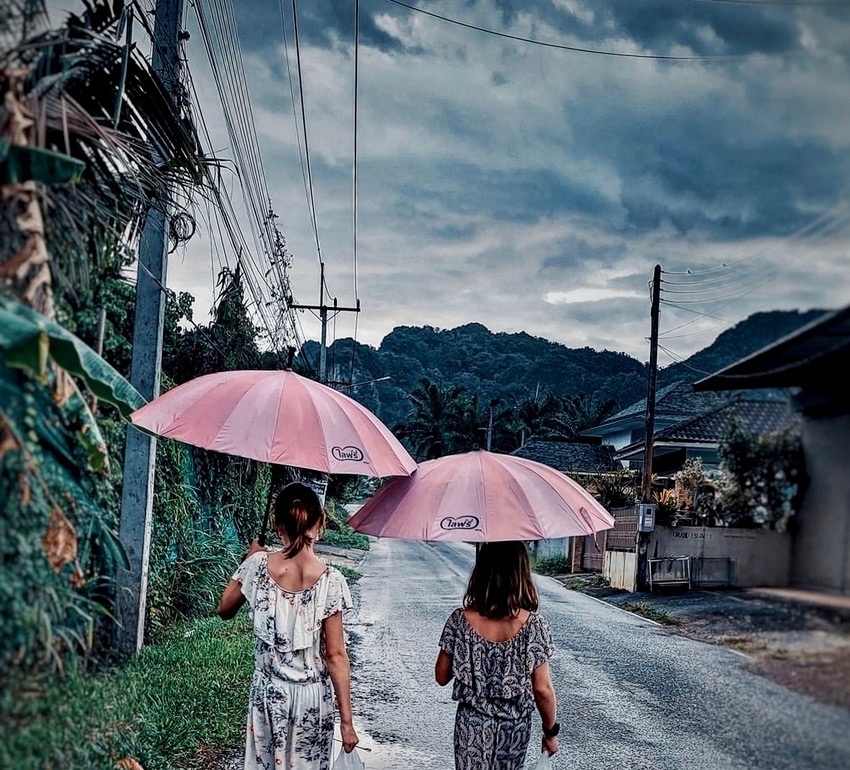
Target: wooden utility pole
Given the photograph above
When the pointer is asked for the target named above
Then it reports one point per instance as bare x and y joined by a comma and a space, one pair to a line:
146, 365
323, 309
642, 538
646, 489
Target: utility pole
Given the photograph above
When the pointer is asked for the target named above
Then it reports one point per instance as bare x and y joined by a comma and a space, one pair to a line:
652, 376
323, 309
646, 488
146, 365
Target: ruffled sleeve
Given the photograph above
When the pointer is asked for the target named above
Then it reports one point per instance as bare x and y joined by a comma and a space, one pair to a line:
540, 647
247, 575
448, 639
338, 596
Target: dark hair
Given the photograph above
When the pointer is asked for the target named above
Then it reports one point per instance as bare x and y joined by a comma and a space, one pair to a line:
501, 585
297, 508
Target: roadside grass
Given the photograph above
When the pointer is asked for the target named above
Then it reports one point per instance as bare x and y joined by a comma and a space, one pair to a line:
351, 575
178, 705
652, 613
346, 538
552, 565
584, 582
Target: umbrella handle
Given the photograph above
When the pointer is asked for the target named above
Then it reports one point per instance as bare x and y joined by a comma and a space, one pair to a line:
261, 538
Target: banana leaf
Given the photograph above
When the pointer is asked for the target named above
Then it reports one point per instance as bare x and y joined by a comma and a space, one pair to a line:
28, 339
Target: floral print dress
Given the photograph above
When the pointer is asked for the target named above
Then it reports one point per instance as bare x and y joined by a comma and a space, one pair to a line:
291, 705
492, 684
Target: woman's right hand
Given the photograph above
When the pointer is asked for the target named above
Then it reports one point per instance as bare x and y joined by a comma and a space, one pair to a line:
255, 548
550, 745
349, 737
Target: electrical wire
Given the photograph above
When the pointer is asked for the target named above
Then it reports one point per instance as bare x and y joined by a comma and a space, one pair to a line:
575, 49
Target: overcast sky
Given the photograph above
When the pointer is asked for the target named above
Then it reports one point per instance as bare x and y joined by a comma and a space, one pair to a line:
530, 188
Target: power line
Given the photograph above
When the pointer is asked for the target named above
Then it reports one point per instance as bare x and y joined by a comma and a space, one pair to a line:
323, 287
563, 47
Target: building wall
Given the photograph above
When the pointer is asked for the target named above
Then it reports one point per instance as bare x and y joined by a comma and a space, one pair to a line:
759, 557
821, 556
551, 549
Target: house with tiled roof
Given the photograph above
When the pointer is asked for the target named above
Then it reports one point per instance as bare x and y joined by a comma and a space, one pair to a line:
673, 404
699, 436
570, 456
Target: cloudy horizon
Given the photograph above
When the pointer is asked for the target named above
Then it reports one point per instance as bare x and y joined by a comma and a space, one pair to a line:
530, 188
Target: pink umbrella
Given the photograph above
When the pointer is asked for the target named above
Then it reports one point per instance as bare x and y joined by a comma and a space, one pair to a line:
481, 497
277, 417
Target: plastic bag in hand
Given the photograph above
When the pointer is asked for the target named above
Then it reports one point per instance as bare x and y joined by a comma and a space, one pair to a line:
544, 763
350, 761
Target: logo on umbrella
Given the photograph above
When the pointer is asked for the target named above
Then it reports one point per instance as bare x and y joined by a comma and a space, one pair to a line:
348, 453
463, 522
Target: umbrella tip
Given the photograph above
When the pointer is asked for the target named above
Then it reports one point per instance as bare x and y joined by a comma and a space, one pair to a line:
290, 354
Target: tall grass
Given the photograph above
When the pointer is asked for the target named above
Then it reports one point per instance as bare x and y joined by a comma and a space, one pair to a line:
179, 705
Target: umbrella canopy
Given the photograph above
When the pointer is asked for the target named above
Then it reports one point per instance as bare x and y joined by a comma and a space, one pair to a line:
480, 497
277, 417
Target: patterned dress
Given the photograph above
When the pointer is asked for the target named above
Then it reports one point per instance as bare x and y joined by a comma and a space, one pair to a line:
492, 684
291, 706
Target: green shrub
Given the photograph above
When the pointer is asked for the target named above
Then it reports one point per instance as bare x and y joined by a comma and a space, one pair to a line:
552, 565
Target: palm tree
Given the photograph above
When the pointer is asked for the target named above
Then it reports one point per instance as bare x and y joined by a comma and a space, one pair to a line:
433, 427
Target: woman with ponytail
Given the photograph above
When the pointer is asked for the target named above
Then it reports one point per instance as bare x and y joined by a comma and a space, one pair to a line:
296, 603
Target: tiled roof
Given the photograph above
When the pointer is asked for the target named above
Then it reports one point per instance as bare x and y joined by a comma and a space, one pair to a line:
678, 399
758, 417
566, 456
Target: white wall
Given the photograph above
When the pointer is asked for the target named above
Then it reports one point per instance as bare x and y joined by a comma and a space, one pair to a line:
759, 557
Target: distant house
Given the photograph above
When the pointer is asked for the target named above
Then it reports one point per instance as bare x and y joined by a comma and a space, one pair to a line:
812, 361
570, 457
699, 436
673, 404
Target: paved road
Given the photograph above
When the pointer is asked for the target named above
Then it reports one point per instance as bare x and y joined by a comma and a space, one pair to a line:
632, 694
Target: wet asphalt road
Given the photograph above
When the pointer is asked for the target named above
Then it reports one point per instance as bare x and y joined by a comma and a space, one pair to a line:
631, 694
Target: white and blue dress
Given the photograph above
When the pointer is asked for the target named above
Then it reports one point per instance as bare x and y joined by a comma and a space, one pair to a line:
291, 705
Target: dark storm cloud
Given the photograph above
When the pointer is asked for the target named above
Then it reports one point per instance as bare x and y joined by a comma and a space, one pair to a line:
320, 22
574, 252
521, 196
657, 25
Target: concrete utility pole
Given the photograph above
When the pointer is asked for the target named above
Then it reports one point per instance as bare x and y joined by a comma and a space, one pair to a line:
323, 317
646, 486
146, 366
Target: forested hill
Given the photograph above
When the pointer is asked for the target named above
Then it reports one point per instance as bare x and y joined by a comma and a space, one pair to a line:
511, 366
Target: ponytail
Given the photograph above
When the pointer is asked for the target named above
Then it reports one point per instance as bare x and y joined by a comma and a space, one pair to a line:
298, 509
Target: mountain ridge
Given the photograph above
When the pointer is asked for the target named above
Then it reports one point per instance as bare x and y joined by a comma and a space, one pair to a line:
507, 366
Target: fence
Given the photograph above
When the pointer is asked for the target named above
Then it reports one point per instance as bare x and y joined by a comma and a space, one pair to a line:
620, 538
623, 536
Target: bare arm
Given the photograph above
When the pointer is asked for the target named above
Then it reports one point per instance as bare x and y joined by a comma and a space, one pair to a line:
443, 669
231, 600
544, 697
339, 668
